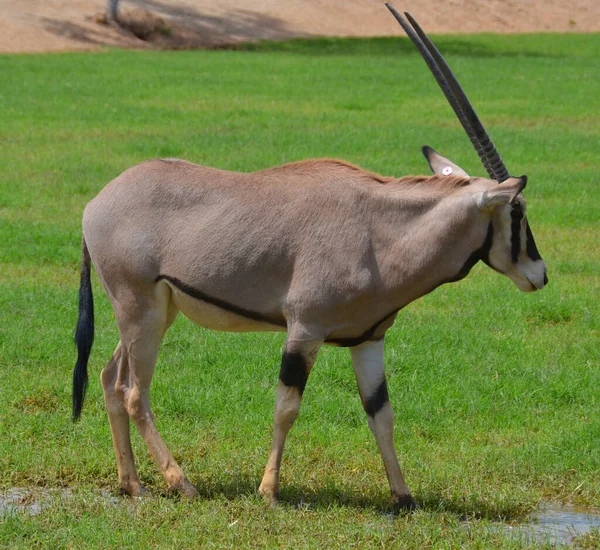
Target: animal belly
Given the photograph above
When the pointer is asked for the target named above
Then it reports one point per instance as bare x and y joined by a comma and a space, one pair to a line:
220, 318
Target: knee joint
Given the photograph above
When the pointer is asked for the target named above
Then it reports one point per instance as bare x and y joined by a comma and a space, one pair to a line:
135, 403
375, 402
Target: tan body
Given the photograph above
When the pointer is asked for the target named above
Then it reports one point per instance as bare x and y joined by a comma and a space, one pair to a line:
320, 241
322, 249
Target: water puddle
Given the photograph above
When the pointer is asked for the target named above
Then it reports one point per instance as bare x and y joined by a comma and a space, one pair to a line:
30, 500
33, 500
557, 523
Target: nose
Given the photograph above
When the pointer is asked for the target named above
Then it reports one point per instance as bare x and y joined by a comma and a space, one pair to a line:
545, 278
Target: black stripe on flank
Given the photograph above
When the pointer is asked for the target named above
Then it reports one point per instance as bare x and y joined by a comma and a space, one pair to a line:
195, 293
357, 340
293, 371
532, 250
516, 215
376, 402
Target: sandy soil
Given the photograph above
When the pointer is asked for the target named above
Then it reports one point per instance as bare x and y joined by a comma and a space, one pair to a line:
60, 25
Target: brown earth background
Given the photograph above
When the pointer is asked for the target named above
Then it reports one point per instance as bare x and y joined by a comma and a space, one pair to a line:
67, 25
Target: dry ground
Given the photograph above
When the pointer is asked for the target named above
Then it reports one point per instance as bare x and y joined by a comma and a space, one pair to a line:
60, 25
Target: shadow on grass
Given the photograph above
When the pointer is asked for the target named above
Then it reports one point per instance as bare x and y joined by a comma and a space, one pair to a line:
470, 508
295, 495
392, 45
298, 495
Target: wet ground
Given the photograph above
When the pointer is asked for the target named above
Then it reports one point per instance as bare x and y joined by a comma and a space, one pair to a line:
34, 500
557, 523
552, 523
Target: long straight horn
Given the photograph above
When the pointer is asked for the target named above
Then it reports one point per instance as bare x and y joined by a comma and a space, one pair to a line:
455, 95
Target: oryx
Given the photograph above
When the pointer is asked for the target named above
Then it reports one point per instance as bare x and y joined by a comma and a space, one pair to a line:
321, 249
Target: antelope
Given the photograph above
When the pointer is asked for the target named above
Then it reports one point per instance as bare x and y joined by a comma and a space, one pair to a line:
321, 249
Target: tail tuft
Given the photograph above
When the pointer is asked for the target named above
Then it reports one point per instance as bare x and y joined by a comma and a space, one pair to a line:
84, 334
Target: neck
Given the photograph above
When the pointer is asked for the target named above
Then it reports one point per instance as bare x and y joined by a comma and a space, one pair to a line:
437, 243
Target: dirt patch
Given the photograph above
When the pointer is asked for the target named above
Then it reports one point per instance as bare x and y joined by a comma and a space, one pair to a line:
143, 24
63, 25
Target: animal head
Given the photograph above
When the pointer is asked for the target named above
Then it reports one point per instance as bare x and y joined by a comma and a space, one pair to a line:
512, 249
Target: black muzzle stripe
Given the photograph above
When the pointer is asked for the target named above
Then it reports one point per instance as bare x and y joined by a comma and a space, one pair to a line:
532, 250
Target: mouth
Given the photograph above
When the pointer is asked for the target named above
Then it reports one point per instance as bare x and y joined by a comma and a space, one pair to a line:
534, 287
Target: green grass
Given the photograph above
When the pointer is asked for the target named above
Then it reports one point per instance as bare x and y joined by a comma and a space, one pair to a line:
495, 392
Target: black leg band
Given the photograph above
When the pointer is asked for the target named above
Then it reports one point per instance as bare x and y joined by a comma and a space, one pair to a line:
377, 400
293, 371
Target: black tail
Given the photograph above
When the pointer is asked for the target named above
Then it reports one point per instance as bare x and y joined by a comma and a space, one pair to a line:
84, 335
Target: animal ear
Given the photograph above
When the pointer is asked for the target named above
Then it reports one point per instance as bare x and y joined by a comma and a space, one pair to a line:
441, 165
502, 193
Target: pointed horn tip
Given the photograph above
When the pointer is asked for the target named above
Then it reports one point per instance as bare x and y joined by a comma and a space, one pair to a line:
394, 11
412, 20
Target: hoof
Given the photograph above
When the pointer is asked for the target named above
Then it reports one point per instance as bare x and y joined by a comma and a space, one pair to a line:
270, 495
404, 503
135, 491
185, 490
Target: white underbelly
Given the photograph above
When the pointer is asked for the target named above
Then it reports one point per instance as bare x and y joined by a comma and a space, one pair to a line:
216, 318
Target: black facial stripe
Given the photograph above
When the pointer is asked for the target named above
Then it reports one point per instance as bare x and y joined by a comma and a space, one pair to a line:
484, 251
532, 250
195, 293
293, 371
376, 402
515, 233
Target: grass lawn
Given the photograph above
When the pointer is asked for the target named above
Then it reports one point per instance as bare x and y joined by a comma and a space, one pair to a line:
496, 392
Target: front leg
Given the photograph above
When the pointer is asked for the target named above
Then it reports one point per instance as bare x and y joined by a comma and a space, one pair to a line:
367, 360
298, 358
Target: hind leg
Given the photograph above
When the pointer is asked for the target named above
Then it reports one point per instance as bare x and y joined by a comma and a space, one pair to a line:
143, 318
116, 368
